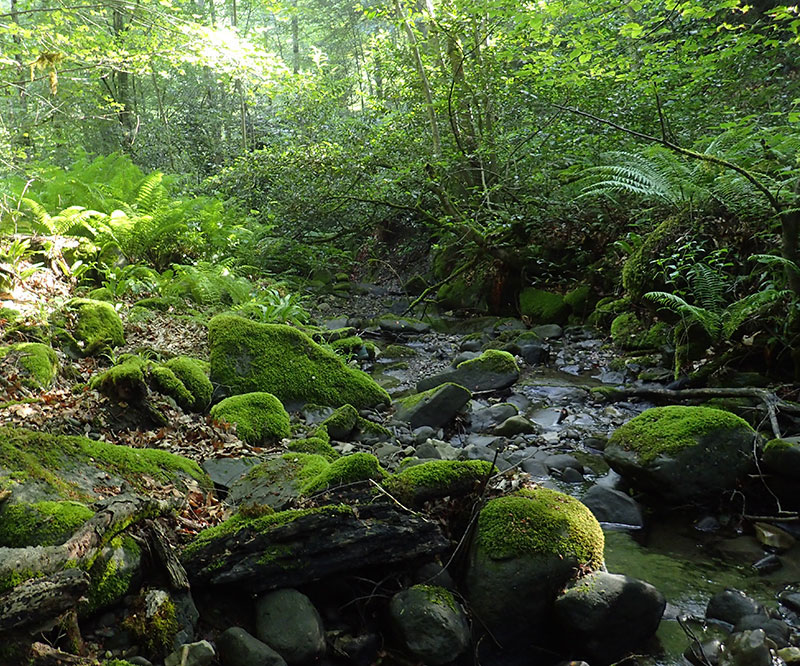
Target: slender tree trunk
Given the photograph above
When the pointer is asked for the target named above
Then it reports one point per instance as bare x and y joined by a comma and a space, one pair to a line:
122, 82
240, 92
295, 39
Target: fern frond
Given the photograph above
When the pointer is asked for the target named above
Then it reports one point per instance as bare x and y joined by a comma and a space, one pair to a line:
749, 307
708, 287
150, 195
710, 321
775, 261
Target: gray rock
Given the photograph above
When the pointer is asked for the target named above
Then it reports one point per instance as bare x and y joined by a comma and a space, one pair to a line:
706, 654
273, 483
776, 630
474, 452
464, 356
536, 468
612, 506
491, 441
570, 475
287, 621
238, 648
783, 460
471, 345
434, 573
790, 599
493, 370
731, 606
606, 615
191, 654
386, 451
516, 425
225, 471
548, 331
428, 450
485, 418
403, 325
423, 434
430, 623
186, 614
435, 407
561, 461
748, 648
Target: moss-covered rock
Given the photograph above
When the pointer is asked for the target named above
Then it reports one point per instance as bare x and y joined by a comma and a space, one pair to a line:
438, 478
578, 300
340, 424
682, 453
194, 377
354, 346
462, 294
88, 326
39, 466
36, 362
166, 382
154, 623
259, 417
527, 546
493, 370
346, 470
101, 294
782, 458
114, 573
629, 333
434, 407
248, 357
125, 382
315, 445
639, 273
543, 307
606, 310
398, 351
45, 523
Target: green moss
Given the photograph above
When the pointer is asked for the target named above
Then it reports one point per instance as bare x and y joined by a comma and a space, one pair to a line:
315, 445
606, 309
44, 456
492, 360
259, 417
540, 521
398, 351
37, 361
543, 307
167, 382
155, 632
110, 581
124, 381
668, 430
629, 333
193, 374
462, 294
238, 522
247, 356
101, 294
10, 581
778, 445
438, 478
605, 393
345, 470
440, 596
45, 523
96, 325
639, 271
347, 346
9, 315
578, 299
159, 304
340, 424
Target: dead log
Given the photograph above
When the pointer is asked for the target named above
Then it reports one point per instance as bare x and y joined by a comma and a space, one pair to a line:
314, 546
165, 553
37, 603
42, 654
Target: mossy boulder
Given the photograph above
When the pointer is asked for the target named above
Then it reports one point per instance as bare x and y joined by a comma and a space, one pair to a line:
438, 478
37, 363
87, 327
682, 454
154, 623
434, 407
430, 623
782, 458
250, 357
259, 417
38, 466
639, 273
398, 325
579, 300
606, 310
344, 471
194, 376
629, 333
493, 370
461, 294
543, 307
526, 548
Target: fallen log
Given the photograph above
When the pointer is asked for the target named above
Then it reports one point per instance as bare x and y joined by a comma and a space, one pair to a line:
37, 603
313, 546
114, 515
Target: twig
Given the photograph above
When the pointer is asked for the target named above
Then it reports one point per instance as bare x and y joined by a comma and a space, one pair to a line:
383, 491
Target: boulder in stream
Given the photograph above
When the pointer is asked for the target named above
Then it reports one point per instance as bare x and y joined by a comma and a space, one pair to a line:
491, 371
434, 407
682, 454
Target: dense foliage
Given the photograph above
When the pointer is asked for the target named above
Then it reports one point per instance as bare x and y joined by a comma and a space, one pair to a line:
539, 144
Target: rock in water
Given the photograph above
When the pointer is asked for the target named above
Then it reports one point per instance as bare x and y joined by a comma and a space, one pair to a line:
612, 506
604, 616
434, 408
731, 606
682, 454
287, 621
748, 648
246, 357
431, 624
527, 546
491, 371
